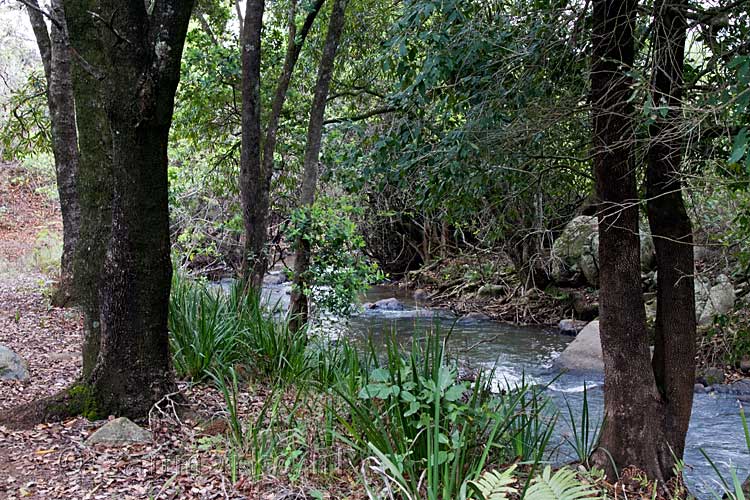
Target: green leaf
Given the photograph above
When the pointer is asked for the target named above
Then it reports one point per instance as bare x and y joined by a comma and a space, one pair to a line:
740, 146
455, 392
380, 375
494, 485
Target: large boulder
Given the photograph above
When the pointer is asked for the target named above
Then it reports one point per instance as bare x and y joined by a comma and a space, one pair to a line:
571, 326
574, 247
119, 432
12, 366
584, 354
575, 253
710, 300
719, 299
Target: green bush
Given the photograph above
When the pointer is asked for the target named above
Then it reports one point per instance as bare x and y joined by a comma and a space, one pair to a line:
338, 270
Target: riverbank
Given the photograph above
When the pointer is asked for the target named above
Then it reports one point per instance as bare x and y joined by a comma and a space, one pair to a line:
484, 285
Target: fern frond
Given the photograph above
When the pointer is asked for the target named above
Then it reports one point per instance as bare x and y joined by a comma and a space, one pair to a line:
494, 485
563, 485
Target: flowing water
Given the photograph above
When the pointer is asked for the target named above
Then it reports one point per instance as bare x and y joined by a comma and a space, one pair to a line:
526, 353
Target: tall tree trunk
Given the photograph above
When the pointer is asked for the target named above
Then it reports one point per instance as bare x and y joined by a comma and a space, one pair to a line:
94, 172
142, 54
55, 52
674, 349
299, 302
633, 432
250, 159
256, 175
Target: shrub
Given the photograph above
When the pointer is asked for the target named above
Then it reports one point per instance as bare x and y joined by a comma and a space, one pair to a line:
338, 270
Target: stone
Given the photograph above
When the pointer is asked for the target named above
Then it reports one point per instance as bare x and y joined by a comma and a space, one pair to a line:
699, 389
571, 326
586, 310
421, 295
574, 243
713, 376
119, 432
589, 266
648, 251
584, 354
474, 317
745, 364
722, 389
276, 278
741, 387
490, 290
12, 366
720, 300
575, 252
391, 304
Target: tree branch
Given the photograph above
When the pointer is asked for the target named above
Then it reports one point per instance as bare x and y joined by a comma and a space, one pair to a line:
363, 116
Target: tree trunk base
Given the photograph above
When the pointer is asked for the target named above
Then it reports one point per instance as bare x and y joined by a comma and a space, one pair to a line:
62, 297
76, 400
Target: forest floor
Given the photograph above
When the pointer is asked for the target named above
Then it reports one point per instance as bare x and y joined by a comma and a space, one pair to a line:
51, 461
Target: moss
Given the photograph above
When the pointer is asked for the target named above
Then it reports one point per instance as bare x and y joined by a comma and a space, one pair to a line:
79, 399
83, 400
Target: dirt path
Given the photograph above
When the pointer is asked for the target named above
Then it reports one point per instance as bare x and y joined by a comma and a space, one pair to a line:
51, 461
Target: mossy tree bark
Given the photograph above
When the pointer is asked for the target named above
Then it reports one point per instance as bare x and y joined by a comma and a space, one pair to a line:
56, 55
140, 56
299, 302
94, 171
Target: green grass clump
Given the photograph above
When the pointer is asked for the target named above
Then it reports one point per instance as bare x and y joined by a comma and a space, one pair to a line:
211, 331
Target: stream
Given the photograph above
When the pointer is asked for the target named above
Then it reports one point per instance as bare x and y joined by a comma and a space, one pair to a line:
518, 352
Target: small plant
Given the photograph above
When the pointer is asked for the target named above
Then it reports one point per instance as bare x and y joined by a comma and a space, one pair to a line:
583, 436
204, 335
211, 331
275, 351
564, 484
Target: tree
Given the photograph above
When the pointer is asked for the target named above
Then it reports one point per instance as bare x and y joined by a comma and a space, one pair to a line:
257, 157
646, 407
142, 49
299, 302
674, 342
55, 52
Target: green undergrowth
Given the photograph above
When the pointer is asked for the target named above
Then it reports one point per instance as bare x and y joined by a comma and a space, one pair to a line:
395, 421
389, 421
